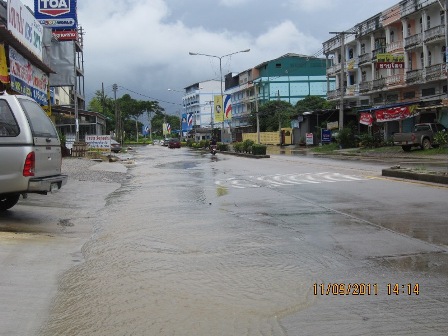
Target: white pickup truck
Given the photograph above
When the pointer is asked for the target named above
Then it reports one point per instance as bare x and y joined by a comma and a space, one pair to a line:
30, 151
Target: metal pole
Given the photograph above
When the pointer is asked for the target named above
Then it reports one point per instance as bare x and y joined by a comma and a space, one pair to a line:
258, 117
341, 84
114, 88
222, 102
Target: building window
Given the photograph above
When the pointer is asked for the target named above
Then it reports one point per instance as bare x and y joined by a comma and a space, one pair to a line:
444, 54
442, 17
428, 22
428, 92
429, 58
364, 76
422, 60
392, 37
410, 61
421, 25
363, 48
350, 53
278, 65
409, 29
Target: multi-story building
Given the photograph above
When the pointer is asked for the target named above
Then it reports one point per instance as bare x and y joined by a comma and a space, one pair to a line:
290, 78
198, 102
390, 69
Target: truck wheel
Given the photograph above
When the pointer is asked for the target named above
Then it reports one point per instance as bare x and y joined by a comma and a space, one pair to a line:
426, 144
406, 148
8, 201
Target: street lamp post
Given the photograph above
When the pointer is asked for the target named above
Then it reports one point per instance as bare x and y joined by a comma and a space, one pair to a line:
220, 74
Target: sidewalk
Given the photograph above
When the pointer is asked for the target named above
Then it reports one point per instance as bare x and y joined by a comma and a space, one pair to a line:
438, 163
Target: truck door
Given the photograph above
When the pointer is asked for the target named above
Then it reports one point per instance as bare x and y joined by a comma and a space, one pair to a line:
47, 147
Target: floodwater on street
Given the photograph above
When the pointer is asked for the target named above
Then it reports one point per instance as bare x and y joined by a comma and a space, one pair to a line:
195, 245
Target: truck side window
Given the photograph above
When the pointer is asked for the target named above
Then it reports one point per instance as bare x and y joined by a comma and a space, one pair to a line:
8, 124
41, 125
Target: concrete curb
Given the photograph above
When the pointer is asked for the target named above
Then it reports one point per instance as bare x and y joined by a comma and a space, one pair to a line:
412, 175
246, 155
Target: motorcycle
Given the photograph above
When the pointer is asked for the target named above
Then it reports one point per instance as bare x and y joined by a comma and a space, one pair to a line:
213, 149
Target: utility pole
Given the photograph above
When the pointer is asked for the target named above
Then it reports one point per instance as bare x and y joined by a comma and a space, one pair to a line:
117, 121
258, 117
342, 76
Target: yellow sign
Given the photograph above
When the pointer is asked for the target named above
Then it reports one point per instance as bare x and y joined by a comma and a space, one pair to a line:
219, 113
389, 58
4, 75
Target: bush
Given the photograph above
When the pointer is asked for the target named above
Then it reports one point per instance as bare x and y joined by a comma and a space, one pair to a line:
367, 140
238, 147
259, 149
223, 147
247, 145
441, 138
346, 138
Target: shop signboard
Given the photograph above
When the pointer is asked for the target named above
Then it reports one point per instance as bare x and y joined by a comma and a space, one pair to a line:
325, 136
56, 14
26, 78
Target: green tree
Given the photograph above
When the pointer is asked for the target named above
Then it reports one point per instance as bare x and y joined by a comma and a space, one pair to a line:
274, 115
313, 103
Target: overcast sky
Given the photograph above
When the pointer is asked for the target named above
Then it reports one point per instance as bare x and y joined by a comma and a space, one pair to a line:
143, 45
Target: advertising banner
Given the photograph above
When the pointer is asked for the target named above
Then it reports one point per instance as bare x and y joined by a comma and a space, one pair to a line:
219, 114
366, 118
25, 27
4, 74
26, 78
100, 142
66, 35
389, 61
396, 113
56, 14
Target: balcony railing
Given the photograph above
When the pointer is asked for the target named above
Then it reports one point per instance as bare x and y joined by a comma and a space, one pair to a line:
377, 51
352, 90
365, 87
378, 84
414, 76
395, 80
394, 46
364, 58
333, 69
435, 33
435, 72
333, 94
413, 41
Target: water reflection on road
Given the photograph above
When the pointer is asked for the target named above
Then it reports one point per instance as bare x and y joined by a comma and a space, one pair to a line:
176, 253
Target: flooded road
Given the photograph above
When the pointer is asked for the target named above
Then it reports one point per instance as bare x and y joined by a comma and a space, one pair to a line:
194, 245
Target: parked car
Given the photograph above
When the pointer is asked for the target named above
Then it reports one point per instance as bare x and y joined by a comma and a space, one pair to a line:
174, 143
165, 142
115, 146
422, 136
30, 155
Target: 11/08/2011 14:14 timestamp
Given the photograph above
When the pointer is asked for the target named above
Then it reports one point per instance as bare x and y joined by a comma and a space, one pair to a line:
365, 289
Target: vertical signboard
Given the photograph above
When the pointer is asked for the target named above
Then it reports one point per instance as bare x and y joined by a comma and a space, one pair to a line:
219, 114
23, 25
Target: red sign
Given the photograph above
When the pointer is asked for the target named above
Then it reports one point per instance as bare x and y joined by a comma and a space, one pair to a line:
53, 7
395, 113
366, 119
389, 65
66, 35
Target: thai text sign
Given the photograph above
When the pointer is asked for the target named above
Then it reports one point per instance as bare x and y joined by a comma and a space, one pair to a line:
309, 138
26, 78
100, 142
25, 27
366, 118
325, 136
396, 113
389, 61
